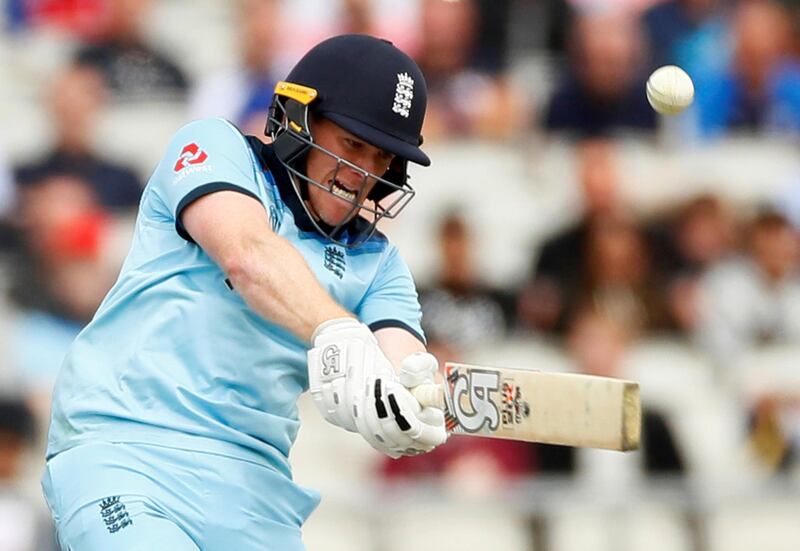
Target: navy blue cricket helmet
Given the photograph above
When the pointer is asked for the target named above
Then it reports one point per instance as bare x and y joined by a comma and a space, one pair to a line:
370, 88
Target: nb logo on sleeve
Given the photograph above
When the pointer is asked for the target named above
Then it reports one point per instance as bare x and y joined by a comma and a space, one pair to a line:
191, 154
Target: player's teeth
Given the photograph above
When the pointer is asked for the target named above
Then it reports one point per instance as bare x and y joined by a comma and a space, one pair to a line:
342, 192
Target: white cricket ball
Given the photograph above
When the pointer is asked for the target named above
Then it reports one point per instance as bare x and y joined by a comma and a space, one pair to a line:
670, 90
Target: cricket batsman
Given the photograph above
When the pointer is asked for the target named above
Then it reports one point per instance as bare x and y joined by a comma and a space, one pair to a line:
256, 272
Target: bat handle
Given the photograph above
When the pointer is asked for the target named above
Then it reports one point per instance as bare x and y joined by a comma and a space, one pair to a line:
429, 395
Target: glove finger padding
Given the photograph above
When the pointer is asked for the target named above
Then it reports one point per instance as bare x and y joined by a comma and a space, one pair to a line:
375, 410
433, 428
425, 425
417, 369
394, 418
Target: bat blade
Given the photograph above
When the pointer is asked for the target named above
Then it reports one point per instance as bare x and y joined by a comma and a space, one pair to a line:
554, 408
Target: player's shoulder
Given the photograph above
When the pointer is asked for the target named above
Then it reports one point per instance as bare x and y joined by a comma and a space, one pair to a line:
211, 141
215, 129
385, 256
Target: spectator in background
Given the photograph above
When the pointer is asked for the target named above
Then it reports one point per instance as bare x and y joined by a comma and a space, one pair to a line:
602, 90
601, 254
82, 17
63, 227
618, 278
702, 234
458, 308
463, 99
243, 94
24, 526
57, 280
356, 17
559, 15
307, 22
760, 90
753, 299
75, 100
687, 33
132, 69
491, 52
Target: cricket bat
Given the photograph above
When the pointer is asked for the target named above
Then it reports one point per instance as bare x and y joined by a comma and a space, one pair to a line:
553, 408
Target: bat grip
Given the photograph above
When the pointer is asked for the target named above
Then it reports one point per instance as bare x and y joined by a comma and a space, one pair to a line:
429, 395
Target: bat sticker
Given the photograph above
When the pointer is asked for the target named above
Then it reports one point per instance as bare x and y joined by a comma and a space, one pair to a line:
475, 388
515, 408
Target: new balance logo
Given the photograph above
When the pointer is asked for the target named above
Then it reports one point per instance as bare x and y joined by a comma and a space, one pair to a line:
191, 154
335, 261
114, 515
404, 93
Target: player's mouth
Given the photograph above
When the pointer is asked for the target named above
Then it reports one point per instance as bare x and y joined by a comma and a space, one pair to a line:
340, 191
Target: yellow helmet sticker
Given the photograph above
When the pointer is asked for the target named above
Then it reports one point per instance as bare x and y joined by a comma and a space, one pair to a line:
297, 92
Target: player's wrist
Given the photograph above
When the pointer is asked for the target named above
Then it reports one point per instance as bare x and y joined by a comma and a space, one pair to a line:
335, 324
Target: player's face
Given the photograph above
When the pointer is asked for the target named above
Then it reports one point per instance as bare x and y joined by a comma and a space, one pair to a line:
344, 186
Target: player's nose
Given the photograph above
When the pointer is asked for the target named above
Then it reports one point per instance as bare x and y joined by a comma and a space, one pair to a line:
351, 178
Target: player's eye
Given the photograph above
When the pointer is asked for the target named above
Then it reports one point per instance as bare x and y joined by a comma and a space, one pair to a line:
352, 144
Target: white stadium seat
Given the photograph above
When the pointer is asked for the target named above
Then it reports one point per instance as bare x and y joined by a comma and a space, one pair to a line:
763, 525
339, 526
455, 525
644, 526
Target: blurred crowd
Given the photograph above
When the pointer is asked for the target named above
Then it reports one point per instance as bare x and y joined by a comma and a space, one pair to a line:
719, 278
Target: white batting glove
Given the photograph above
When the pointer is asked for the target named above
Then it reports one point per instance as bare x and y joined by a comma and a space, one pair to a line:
354, 386
394, 423
336, 368
418, 369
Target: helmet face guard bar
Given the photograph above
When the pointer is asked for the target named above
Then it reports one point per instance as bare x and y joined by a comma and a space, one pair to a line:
288, 126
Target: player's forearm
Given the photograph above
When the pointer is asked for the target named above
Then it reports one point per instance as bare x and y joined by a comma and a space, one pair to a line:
275, 281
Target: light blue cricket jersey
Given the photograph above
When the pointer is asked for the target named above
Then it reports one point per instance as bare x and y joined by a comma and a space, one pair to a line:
173, 355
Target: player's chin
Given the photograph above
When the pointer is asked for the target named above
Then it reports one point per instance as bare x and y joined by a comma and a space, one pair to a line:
339, 211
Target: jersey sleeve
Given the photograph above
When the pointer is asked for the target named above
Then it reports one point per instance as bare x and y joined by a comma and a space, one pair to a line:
203, 157
391, 300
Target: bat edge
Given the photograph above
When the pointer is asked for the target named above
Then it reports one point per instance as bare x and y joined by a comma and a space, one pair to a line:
631, 417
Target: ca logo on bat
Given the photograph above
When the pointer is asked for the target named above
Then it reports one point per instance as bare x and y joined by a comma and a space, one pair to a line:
476, 386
